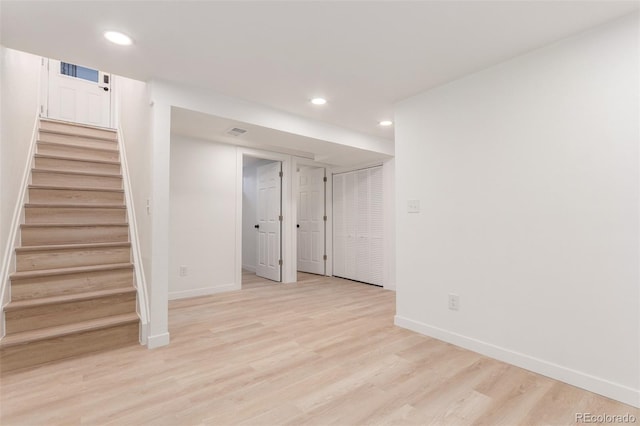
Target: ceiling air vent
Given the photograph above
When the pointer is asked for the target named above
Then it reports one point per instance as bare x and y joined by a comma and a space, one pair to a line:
236, 131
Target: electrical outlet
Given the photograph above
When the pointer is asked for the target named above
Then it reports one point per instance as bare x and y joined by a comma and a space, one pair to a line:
454, 302
183, 271
413, 206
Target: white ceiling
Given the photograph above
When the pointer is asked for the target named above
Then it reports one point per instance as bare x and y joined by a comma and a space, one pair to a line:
362, 56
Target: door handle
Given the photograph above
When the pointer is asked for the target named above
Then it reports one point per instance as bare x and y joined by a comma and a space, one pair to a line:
256, 226
298, 226
105, 88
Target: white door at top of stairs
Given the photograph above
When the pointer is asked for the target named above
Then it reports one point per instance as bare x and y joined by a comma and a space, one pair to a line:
77, 94
269, 221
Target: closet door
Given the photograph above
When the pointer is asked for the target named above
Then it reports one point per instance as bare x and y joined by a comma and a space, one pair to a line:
376, 226
339, 227
358, 225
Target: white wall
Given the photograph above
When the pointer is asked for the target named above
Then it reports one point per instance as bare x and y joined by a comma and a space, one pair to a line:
134, 115
19, 103
389, 213
527, 175
202, 217
134, 121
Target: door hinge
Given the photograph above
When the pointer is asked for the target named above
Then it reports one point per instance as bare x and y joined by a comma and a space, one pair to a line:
280, 262
324, 218
324, 257
324, 179
280, 218
280, 174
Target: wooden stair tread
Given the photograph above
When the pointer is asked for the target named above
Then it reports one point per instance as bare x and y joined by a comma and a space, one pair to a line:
71, 246
73, 135
62, 157
72, 225
88, 148
73, 297
76, 188
79, 206
72, 172
63, 330
74, 124
72, 270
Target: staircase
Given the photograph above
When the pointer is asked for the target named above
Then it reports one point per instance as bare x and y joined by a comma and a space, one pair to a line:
72, 292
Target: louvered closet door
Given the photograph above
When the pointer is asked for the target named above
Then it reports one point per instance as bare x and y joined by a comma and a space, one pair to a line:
358, 225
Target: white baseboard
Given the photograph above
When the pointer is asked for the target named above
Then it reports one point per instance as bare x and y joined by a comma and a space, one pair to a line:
158, 340
250, 268
144, 333
579, 379
204, 291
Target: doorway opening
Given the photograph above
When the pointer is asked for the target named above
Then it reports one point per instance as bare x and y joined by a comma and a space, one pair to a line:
75, 93
311, 227
261, 220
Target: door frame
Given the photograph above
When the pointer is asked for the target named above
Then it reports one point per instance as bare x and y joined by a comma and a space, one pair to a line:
289, 240
44, 92
328, 208
275, 167
288, 272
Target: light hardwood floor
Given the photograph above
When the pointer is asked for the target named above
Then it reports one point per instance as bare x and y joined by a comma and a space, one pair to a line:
322, 351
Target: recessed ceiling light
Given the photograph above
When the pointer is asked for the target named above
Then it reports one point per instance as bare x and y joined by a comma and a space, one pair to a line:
118, 38
386, 123
318, 101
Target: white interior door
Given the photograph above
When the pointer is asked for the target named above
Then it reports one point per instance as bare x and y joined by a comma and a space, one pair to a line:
269, 181
311, 223
78, 94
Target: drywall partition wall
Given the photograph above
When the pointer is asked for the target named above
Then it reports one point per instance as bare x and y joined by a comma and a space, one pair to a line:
160, 211
202, 218
134, 116
389, 214
19, 103
526, 175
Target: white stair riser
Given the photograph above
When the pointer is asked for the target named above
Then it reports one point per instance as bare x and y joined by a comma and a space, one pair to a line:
68, 258
60, 285
77, 141
76, 166
81, 153
74, 235
75, 215
72, 196
77, 181
66, 346
72, 129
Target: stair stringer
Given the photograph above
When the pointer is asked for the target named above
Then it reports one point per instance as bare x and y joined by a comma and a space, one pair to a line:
139, 276
13, 241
